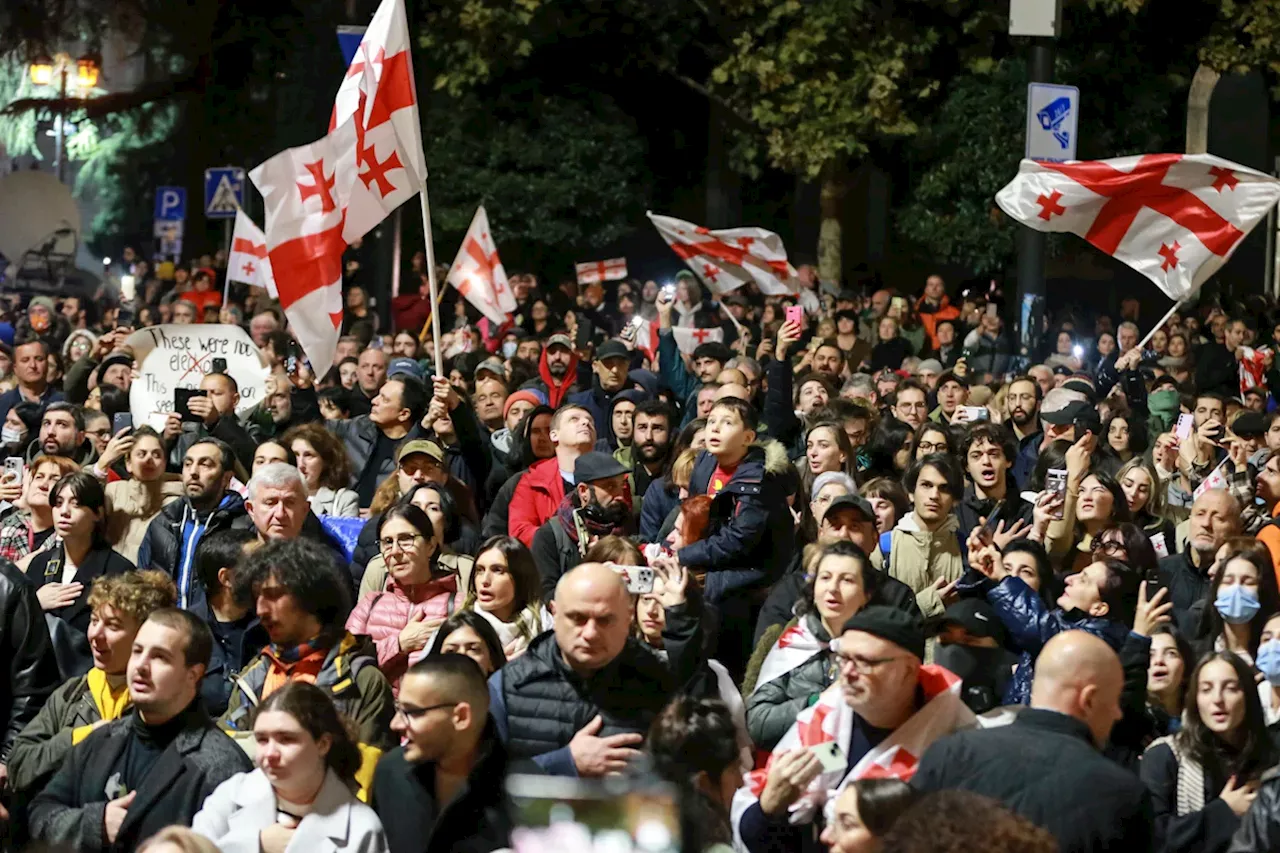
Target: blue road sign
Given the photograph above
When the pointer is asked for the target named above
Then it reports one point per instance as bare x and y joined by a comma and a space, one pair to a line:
223, 192
171, 203
1053, 113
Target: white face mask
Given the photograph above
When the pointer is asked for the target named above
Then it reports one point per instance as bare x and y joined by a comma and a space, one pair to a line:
11, 435
509, 349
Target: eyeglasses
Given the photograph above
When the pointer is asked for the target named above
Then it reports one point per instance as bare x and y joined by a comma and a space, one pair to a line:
932, 447
405, 542
417, 713
1108, 546
859, 664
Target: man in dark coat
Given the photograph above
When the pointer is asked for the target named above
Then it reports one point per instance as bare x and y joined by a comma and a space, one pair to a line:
30, 670
443, 789
578, 700
152, 768
1086, 801
611, 364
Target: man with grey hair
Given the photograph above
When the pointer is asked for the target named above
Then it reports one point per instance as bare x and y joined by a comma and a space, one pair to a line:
278, 509
860, 386
1127, 336
537, 701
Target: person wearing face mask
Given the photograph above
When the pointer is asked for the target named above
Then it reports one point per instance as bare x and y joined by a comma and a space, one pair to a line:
1242, 596
1204, 778
599, 505
300, 797
971, 644
1267, 662
20, 423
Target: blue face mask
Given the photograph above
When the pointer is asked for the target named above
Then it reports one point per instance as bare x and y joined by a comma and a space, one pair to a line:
509, 348
1268, 660
1237, 604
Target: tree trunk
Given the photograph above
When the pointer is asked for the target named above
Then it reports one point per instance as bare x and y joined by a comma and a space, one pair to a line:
830, 233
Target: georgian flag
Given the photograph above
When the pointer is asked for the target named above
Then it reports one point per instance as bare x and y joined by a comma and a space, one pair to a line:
725, 260
248, 261
794, 647
598, 272
322, 196
478, 273
1175, 218
687, 340
831, 719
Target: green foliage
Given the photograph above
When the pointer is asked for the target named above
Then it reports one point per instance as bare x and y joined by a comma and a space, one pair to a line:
555, 173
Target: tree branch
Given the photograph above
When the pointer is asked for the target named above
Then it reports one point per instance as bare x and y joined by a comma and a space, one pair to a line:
730, 111
105, 105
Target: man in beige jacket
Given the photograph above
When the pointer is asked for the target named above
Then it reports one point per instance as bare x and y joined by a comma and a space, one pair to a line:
923, 550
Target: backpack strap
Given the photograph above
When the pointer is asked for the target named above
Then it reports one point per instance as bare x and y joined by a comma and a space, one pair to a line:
886, 543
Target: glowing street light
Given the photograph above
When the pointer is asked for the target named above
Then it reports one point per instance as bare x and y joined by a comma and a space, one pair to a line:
42, 71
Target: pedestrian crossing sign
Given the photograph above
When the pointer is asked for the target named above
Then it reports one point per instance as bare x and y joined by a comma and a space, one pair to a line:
223, 192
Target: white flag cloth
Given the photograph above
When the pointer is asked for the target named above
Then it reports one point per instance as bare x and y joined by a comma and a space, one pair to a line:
614, 269
322, 196
478, 274
248, 261
794, 646
1175, 218
687, 340
726, 260
1217, 479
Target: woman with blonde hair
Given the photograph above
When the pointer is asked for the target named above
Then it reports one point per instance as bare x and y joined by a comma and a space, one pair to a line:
1146, 498
326, 468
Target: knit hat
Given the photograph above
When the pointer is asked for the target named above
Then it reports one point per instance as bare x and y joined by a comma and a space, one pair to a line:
527, 395
890, 623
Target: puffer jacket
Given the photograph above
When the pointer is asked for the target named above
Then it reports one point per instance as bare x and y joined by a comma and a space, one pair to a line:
772, 706
1260, 827
162, 545
918, 558
26, 653
381, 616
751, 534
1031, 624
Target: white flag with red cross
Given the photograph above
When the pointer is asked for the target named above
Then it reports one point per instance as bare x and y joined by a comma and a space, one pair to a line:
322, 196
725, 260
248, 261
478, 273
688, 340
598, 272
1175, 218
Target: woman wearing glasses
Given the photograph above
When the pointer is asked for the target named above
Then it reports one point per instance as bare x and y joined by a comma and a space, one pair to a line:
932, 438
414, 600
301, 797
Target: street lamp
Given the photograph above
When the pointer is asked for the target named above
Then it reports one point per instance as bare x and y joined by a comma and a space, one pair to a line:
42, 72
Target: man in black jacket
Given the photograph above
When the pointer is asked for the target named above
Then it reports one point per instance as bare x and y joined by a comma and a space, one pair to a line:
577, 701
154, 767
444, 786
1087, 802
1259, 830
171, 539
1215, 516
30, 669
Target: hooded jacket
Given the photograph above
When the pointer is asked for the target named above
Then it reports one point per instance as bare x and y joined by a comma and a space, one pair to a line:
918, 558
557, 392
607, 441
164, 547
751, 534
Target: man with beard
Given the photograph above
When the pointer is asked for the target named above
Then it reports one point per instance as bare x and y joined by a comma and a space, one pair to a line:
650, 447
610, 366
622, 413
598, 506
557, 370
1215, 517
207, 506
62, 434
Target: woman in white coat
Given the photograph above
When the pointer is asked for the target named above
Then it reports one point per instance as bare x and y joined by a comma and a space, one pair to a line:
301, 798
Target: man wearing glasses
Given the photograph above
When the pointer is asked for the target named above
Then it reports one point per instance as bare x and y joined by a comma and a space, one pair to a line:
876, 720
451, 764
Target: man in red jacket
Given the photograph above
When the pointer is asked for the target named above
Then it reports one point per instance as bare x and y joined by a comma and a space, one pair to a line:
542, 488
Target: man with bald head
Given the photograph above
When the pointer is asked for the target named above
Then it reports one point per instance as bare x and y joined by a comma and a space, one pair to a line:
1046, 765
578, 701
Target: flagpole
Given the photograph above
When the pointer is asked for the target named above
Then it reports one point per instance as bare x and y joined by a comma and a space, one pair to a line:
1158, 326
431, 278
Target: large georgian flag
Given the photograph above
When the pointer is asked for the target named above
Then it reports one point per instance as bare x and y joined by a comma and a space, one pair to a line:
322, 196
1175, 218
478, 274
726, 260
598, 272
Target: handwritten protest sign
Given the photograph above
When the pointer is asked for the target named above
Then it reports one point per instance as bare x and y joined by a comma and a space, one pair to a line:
171, 357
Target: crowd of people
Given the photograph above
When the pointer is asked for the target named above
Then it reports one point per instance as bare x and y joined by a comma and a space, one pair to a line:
863, 577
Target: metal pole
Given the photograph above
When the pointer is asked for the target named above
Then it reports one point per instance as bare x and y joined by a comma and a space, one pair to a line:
1031, 243
396, 255
1270, 282
62, 127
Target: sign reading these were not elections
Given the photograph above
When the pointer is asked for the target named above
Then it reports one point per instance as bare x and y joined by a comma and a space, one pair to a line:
171, 357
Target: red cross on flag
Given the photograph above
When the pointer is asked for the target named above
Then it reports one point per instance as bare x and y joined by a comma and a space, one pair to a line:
725, 260
478, 274
248, 261
687, 340
1175, 218
598, 272
322, 196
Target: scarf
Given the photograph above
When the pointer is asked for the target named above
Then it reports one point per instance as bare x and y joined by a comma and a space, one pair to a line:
1253, 367
797, 645
302, 662
570, 519
831, 719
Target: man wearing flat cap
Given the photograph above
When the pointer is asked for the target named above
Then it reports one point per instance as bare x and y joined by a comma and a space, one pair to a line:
598, 505
876, 720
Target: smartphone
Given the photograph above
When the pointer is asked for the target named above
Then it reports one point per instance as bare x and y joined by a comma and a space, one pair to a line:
1055, 480
974, 414
121, 420
125, 317
1186, 423
628, 814
1217, 433
1077, 351
639, 579
667, 293
219, 365
182, 403
830, 756
795, 314
14, 468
